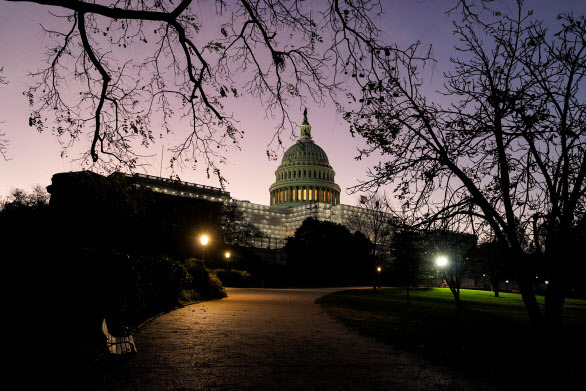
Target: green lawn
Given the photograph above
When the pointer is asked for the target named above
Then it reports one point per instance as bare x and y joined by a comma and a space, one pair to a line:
489, 337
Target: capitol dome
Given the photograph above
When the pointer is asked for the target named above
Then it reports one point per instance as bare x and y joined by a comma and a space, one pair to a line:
305, 174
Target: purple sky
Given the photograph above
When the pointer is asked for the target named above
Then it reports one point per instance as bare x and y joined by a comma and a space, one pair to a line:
35, 157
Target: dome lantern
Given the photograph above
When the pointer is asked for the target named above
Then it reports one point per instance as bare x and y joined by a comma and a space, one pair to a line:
305, 134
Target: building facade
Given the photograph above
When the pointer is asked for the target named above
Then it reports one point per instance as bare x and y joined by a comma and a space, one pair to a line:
304, 187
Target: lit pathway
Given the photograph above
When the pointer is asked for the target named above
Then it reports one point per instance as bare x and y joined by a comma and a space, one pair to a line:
267, 339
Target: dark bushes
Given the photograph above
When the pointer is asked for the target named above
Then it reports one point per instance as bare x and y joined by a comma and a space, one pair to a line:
234, 278
204, 283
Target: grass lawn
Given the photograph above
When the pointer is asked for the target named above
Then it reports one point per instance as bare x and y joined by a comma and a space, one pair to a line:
489, 337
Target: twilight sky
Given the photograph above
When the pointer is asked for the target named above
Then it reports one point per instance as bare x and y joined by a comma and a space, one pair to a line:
36, 157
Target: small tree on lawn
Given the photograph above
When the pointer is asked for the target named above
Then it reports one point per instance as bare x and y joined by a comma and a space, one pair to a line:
489, 261
409, 267
455, 249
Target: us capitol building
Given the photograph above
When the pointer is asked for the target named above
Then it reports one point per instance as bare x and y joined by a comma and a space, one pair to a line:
304, 187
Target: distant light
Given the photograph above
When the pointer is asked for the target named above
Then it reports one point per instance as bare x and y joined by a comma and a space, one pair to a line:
546, 282
378, 269
507, 281
441, 261
227, 254
204, 239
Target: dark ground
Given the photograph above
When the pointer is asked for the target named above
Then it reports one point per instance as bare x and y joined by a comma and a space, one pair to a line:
266, 339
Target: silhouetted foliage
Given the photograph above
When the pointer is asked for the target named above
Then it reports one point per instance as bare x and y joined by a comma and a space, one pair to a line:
235, 278
326, 253
409, 266
375, 221
73, 268
3, 139
139, 65
236, 229
206, 284
457, 248
489, 263
504, 158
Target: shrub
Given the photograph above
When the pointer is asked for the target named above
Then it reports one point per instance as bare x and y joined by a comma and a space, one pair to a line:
234, 278
208, 286
189, 295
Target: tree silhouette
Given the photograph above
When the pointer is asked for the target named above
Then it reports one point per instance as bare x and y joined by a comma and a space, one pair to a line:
409, 266
3, 139
375, 222
322, 252
457, 248
489, 261
134, 66
507, 153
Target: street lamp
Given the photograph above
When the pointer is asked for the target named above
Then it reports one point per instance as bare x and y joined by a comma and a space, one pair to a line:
204, 240
441, 262
379, 270
227, 255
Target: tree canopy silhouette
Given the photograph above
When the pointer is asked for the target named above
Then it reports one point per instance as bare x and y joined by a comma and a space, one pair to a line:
505, 157
118, 70
323, 253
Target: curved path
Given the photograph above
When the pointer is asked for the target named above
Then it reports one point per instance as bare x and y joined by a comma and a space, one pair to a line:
269, 339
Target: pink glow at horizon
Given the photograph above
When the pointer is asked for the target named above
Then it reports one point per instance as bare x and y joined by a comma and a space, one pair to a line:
36, 157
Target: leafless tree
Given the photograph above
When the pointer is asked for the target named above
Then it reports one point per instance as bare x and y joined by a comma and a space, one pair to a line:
375, 221
134, 62
236, 228
507, 154
3, 139
457, 248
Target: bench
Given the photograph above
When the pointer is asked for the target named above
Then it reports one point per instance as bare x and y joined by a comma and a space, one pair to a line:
118, 345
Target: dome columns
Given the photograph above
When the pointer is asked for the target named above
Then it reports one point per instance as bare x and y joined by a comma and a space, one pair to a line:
305, 193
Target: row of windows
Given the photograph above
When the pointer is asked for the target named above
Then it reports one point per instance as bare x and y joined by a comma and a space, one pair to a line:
306, 174
306, 154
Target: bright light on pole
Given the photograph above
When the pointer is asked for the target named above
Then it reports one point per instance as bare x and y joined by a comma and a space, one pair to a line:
227, 255
441, 261
204, 239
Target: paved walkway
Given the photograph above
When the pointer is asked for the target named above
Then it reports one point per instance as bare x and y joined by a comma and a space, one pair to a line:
269, 339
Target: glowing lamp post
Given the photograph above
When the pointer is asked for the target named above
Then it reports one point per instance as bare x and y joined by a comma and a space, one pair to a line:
227, 255
204, 241
442, 262
379, 270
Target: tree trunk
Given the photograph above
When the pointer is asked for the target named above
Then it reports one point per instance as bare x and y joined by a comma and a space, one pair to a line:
555, 295
530, 301
456, 293
495, 287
